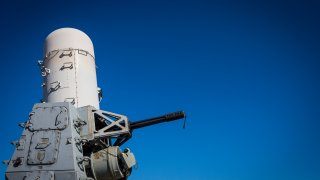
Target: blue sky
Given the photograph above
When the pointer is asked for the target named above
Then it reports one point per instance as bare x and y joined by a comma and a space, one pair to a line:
246, 73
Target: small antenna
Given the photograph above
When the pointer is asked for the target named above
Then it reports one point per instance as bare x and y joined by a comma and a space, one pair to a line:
184, 122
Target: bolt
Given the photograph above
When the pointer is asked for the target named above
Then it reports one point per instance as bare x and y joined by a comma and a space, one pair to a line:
17, 162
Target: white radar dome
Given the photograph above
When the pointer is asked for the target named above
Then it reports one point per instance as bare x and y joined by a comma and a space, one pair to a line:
65, 38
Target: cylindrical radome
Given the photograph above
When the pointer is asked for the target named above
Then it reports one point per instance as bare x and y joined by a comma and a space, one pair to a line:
68, 68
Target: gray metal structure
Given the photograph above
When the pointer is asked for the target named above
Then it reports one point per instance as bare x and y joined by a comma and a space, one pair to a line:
62, 141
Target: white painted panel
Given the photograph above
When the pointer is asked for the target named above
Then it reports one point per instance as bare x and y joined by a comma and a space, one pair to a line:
72, 75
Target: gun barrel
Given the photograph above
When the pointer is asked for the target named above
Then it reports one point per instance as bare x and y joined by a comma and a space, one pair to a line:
157, 120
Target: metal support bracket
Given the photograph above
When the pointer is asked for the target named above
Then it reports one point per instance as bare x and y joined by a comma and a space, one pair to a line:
82, 161
67, 54
77, 124
44, 71
55, 86
66, 65
70, 100
112, 124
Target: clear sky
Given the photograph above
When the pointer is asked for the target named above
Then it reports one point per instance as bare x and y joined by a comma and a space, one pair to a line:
246, 73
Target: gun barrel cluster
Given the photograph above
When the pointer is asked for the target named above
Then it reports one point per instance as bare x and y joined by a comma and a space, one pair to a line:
156, 120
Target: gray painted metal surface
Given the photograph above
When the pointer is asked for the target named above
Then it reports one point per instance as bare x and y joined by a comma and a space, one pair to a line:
67, 137
47, 144
53, 142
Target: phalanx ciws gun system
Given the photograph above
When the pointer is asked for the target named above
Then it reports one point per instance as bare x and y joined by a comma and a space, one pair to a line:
67, 136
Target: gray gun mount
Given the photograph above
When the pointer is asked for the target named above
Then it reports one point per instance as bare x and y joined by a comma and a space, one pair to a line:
62, 142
